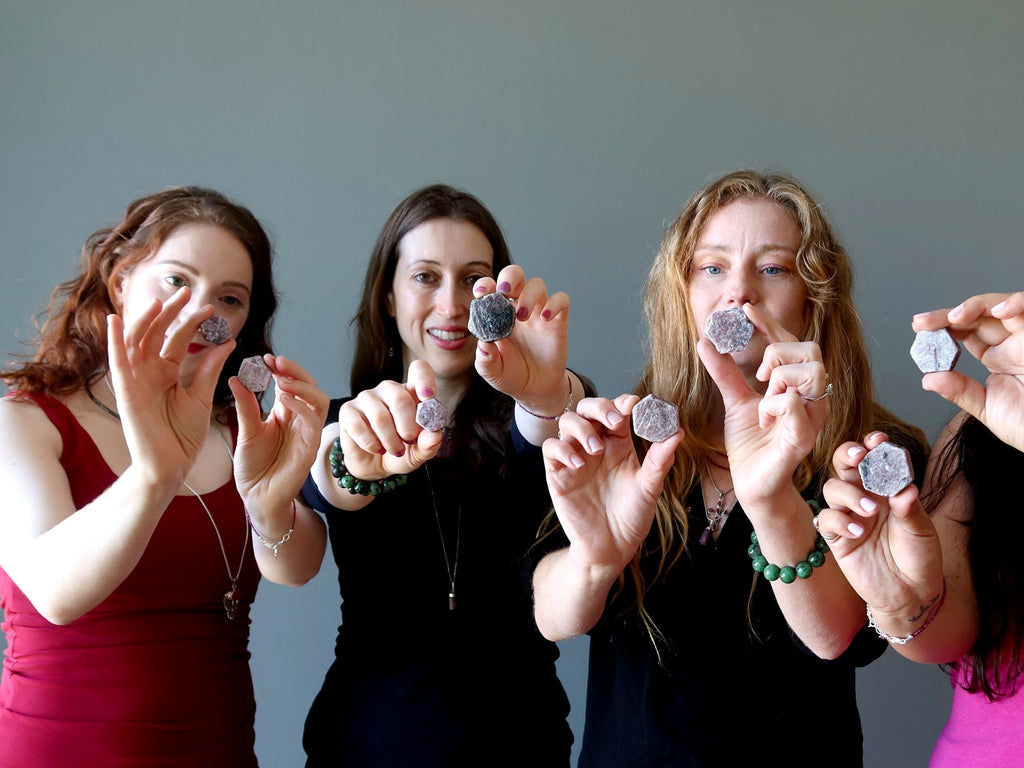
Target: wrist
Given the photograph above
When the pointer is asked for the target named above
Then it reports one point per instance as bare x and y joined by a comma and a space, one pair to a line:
908, 623
551, 408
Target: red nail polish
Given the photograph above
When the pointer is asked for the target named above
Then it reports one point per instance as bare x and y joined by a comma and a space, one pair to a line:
521, 313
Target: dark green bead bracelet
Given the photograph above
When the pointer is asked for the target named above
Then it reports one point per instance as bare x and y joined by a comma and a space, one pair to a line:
353, 484
787, 574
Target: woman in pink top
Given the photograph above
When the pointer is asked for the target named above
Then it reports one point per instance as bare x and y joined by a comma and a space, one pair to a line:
942, 575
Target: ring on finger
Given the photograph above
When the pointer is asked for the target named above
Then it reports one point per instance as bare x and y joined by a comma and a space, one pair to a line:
826, 536
822, 396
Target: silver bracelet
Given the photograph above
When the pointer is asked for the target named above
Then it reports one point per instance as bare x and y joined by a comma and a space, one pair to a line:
916, 632
271, 544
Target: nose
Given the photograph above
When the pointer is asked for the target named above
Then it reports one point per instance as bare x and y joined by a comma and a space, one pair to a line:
741, 287
453, 299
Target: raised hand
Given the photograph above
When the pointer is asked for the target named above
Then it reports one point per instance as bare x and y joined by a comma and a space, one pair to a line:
888, 548
767, 436
991, 327
379, 433
529, 365
274, 454
165, 424
604, 497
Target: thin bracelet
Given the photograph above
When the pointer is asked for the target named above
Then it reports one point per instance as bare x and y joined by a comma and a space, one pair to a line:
568, 405
270, 544
916, 632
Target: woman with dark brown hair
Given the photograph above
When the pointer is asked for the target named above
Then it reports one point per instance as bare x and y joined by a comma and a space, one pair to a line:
438, 661
695, 657
144, 493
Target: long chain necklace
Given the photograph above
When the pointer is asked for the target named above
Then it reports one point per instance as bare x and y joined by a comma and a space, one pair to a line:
451, 568
716, 514
233, 597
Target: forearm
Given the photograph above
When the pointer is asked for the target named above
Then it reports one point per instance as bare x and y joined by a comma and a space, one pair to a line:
290, 553
325, 481
569, 597
823, 610
72, 566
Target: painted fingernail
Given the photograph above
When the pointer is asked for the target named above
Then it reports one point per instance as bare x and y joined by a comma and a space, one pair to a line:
400, 452
956, 311
546, 314
576, 461
614, 418
478, 289
426, 392
594, 445
868, 505
481, 351
382, 452
522, 312
856, 451
504, 286
999, 307
855, 529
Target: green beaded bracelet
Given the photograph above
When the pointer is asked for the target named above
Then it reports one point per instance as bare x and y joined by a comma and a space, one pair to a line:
787, 574
353, 484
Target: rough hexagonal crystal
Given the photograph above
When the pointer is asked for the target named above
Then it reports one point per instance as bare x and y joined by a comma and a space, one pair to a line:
491, 317
886, 469
431, 415
655, 419
935, 351
729, 330
216, 329
254, 374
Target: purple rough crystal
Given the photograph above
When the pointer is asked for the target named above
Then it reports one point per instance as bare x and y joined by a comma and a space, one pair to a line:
885, 469
432, 415
935, 351
254, 374
491, 317
216, 329
729, 330
655, 419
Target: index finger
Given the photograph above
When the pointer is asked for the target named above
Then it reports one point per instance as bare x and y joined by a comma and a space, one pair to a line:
767, 326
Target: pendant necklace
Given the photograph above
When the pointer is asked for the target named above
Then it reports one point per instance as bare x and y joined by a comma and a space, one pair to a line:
716, 514
451, 568
233, 597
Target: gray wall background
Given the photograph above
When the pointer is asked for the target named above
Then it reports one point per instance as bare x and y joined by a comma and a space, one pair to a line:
583, 126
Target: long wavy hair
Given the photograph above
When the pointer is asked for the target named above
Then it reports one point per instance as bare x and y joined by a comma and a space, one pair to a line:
483, 414
988, 468
71, 347
674, 371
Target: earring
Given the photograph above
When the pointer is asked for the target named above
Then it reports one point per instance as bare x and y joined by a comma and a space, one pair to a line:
391, 350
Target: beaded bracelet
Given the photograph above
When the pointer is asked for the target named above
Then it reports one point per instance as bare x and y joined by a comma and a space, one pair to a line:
272, 544
353, 484
568, 404
916, 632
787, 574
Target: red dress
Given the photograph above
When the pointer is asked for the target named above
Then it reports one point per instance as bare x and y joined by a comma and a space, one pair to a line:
156, 674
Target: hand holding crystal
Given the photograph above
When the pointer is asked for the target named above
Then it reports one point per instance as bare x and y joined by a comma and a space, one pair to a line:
379, 433
529, 365
991, 327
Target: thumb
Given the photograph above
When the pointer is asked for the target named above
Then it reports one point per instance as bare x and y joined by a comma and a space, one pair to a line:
963, 391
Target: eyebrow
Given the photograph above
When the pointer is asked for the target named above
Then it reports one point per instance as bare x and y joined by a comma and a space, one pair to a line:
191, 270
468, 264
766, 248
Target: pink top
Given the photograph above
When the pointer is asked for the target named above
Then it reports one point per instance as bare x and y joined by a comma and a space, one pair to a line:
981, 732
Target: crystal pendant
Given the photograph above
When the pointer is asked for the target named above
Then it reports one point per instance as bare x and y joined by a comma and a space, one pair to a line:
232, 602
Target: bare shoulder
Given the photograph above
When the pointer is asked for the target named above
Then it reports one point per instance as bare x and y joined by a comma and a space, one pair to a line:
24, 426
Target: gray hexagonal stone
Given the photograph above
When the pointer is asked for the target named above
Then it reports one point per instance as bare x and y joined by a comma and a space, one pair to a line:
935, 351
655, 419
886, 469
729, 330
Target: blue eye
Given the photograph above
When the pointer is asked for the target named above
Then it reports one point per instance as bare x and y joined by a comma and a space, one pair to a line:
712, 269
773, 270
176, 281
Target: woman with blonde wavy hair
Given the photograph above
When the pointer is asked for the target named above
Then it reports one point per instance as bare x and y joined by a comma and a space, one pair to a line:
694, 659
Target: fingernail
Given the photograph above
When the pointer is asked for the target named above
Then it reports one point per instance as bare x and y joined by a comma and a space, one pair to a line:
522, 312
920, 316
576, 461
382, 452
504, 286
481, 351
956, 311
594, 445
400, 452
868, 505
478, 289
856, 451
999, 307
855, 529
427, 392
546, 314
614, 418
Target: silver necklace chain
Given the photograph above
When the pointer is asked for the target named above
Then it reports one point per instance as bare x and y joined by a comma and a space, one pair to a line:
451, 569
233, 597
716, 514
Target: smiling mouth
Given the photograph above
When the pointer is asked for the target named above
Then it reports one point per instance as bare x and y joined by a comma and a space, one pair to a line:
448, 335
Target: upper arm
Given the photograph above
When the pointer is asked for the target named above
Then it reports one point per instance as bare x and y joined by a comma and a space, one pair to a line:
34, 491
